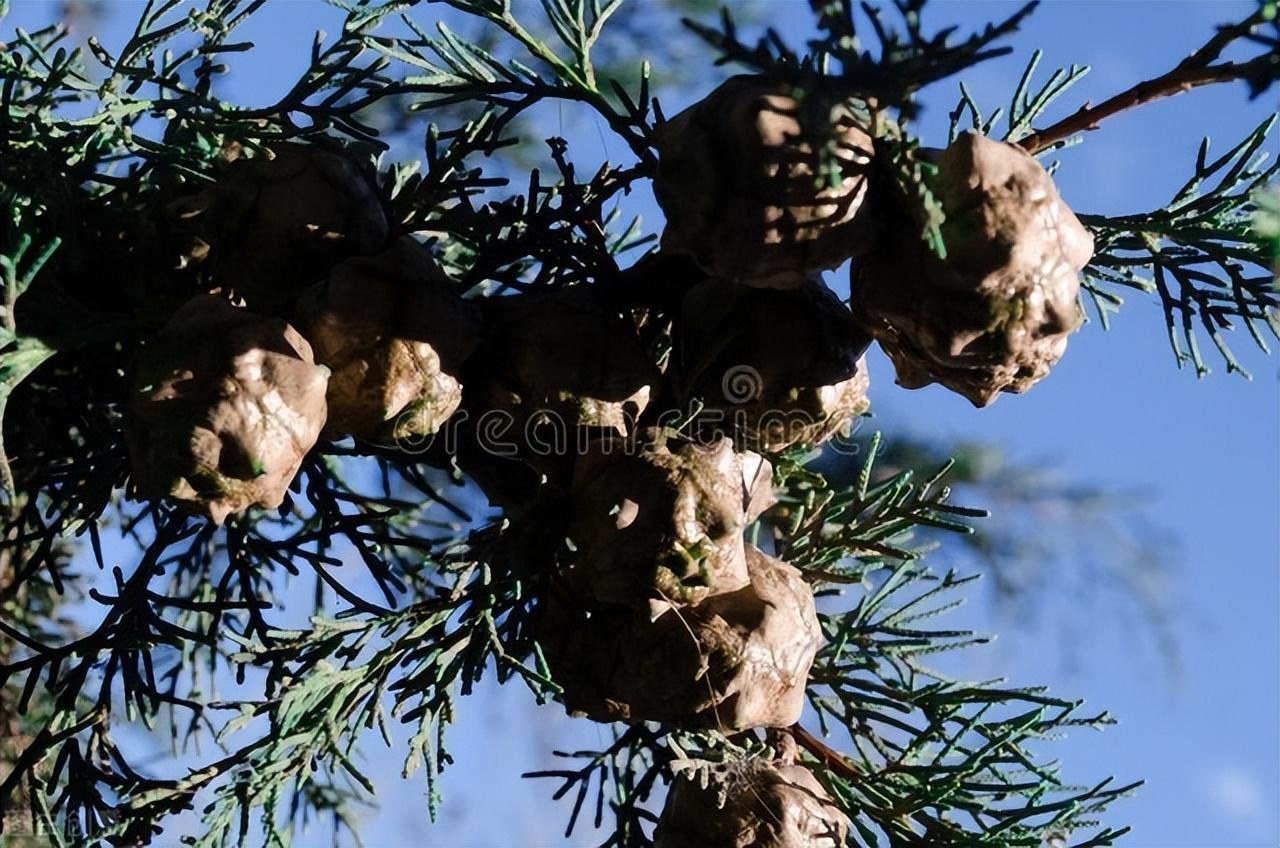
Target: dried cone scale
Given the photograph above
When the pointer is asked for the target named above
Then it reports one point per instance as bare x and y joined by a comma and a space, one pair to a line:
663, 524
994, 316
755, 803
276, 223
395, 333
738, 181
225, 405
736, 660
772, 368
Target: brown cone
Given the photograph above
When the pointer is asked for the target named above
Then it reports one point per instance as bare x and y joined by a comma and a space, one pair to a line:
395, 333
771, 368
554, 372
663, 522
275, 224
994, 316
754, 803
737, 179
737, 660
226, 403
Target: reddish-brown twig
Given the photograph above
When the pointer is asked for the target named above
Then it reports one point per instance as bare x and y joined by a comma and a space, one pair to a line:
832, 759
1194, 71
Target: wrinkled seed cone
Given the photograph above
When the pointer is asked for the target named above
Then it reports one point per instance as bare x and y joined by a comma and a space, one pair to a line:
663, 522
275, 224
738, 181
226, 403
395, 333
771, 368
737, 660
554, 372
994, 316
755, 803
573, 355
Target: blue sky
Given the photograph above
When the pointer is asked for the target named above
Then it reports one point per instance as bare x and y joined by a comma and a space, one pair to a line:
1115, 411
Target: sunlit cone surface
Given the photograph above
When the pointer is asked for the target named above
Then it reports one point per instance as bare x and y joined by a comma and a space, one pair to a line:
663, 522
994, 316
395, 333
226, 403
275, 224
736, 660
770, 368
739, 180
755, 803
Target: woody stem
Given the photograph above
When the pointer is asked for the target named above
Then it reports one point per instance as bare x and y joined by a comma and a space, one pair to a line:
1194, 71
829, 757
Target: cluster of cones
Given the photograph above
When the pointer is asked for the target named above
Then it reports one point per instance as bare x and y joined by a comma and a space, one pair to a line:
321, 322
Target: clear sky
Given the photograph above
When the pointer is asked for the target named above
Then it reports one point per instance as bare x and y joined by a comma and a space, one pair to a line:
1116, 411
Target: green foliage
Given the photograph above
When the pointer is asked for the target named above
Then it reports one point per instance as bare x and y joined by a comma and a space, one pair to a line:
1201, 254
1024, 109
1030, 550
1266, 221
905, 58
416, 600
